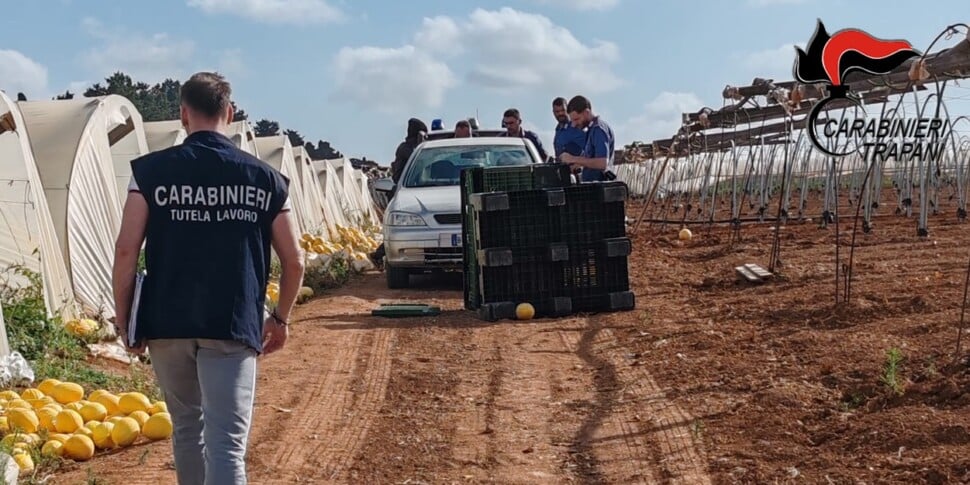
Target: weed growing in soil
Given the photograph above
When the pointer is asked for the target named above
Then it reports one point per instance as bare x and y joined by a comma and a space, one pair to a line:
47, 345
890, 374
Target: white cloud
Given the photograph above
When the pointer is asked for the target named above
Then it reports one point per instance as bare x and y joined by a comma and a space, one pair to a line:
19, 73
299, 12
391, 79
775, 63
504, 50
510, 50
144, 57
661, 118
232, 63
440, 35
583, 4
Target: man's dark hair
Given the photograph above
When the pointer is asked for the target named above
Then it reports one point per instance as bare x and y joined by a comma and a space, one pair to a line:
560, 101
578, 104
463, 124
206, 92
512, 113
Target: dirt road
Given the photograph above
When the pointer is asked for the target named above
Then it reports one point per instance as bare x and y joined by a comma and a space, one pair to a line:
452, 399
709, 380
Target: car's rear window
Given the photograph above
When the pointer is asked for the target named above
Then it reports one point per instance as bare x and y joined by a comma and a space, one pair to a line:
441, 166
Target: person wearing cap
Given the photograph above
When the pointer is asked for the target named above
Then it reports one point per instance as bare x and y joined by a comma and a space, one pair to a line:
597, 157
463, 129
512, 122
417, 132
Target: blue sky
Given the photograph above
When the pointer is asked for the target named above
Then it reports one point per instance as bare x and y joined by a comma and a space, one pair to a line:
353, 72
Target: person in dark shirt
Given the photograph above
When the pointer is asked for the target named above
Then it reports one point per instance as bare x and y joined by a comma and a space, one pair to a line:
513, 127
208, 214
417, 132
568, 139
463, 129
597, 157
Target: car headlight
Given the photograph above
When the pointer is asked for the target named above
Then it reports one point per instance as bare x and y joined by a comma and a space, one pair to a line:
405, 219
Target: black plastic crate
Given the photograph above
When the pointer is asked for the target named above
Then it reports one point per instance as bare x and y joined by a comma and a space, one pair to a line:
525, 177
517, 219
521, 274
477, 180
597, 268
604, 302
505, 310
593, 212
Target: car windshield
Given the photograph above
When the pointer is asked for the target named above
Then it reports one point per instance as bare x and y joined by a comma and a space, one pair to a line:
442, 166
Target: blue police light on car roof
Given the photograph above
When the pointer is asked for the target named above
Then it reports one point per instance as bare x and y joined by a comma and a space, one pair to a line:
436, 124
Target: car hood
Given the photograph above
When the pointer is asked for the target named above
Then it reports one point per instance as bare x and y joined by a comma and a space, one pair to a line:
427, 200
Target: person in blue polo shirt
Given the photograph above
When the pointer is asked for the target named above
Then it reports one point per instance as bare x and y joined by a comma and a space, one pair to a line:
208, 213
568, 139
597, 156
513, 127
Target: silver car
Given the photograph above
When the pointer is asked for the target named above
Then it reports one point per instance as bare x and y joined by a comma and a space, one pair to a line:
422, 223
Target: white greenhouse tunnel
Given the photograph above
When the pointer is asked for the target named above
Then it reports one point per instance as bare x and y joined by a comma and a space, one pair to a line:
27, 234
71, 143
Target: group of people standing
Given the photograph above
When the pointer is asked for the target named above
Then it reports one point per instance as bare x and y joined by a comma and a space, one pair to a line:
582, 140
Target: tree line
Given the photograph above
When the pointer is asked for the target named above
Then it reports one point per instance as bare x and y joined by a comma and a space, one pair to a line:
160, 102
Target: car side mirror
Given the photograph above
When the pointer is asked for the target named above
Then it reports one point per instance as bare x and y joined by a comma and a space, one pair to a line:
384, 185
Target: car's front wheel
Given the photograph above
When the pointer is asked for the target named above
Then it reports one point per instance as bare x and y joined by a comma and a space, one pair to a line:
397, 278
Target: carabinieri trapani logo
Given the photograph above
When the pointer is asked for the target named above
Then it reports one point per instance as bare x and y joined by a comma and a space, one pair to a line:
828, 60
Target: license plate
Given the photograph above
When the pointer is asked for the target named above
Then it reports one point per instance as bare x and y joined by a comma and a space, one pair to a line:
450, 240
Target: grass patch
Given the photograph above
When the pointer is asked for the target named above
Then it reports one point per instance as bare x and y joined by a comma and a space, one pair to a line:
890, 373
50, 349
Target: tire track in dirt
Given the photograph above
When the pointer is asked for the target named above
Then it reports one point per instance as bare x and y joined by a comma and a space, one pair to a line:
334, 456
315, 411
633, 434
647, 412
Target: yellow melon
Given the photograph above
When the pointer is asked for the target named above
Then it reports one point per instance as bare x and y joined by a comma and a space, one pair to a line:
110, 403
140, 416
47, 386
125, 432
31, 393
102, 436
45, 418
79, 448
133, 401
9, 395
94, 411
93, 397
52, 448
24, 462
58, 437
158, 407
68, 392
19, 403
23, 419
158, 427
68, 421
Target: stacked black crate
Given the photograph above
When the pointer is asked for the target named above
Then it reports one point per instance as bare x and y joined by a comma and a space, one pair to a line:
562, 250
593, 225
519, 251
497, 179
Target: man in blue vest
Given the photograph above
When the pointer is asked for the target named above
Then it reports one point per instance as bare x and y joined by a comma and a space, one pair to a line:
208, 214
568, 139
512, 122
597, 157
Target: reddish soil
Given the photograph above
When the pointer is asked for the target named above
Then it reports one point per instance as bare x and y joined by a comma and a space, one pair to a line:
709, 381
